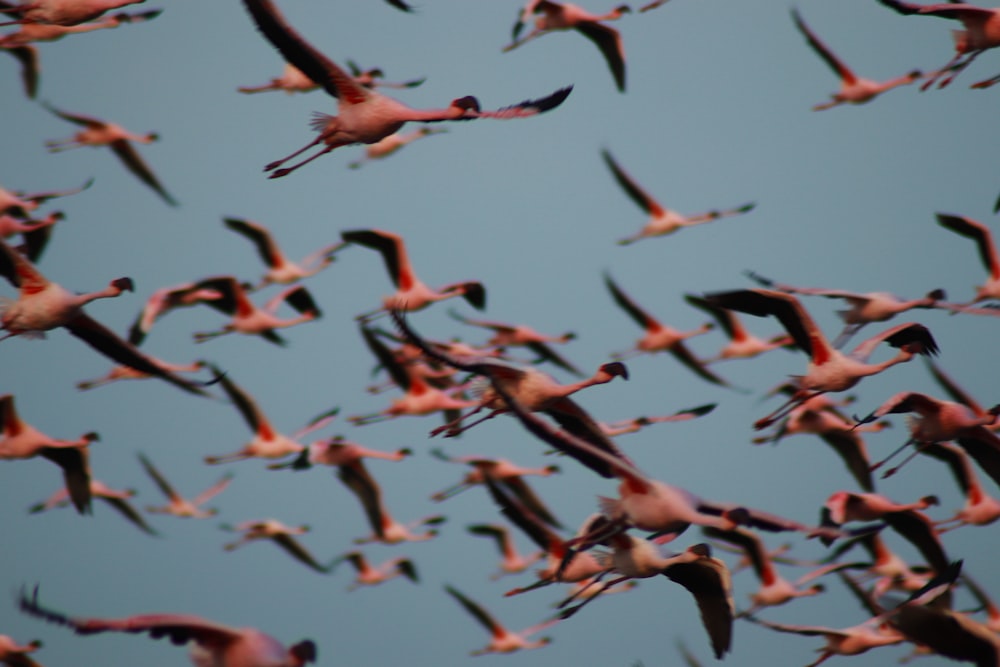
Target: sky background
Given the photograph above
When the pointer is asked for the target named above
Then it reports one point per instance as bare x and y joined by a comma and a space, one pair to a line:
717, 113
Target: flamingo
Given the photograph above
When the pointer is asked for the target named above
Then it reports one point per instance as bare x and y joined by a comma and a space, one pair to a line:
385, 528
421, 398
337, 451
502, 640
31, 33
512, 561
411, 293
43, 305
22, 203
742, 344
293, 80
661, 337
97, 132
372, 77
662, 221
373, 575
391, 144
365, 116
774, 589
34, 233
178, 505
980, 508
513, 335
247, 318
889, 569
165, 299
624, 426
214, 644
117, 499
553, 16
853, 89
981, 234
121, 372
864, 307
982, 32
829, 369
705, 577
65, 12
280, 534
267, 442
20, 440
280, 269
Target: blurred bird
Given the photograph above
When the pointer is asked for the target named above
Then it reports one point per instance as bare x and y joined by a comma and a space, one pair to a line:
180, 506
280, 268
280, 534
372, 575
116, 499
514, 335
247, 318
512, 562
502, 640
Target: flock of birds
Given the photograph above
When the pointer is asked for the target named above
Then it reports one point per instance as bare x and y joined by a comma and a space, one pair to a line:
448, 389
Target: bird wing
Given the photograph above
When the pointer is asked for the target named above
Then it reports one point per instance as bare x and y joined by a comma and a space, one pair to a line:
259, 236
292, 546
75, 465
707, 579
785, 307
77, 118
521, 109
252, 414
684, 355
641, 317
729, 323
609, 41
125, 508
632, 189
477, 612
851, 449
213, 490
392, 249
19, 271
300, 53
126, 152
357, 478
901, 335
842, 70
161, 482
979, 233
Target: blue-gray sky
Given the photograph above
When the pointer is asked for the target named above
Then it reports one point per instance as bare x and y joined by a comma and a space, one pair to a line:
717, 113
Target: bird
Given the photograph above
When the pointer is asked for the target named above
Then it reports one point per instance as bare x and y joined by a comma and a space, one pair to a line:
178, 505
742, 344
512, 562
122, 372
166, 299
865, 307
373, 575
411, 294
853, 89
34, 233
43, 305
115, 498
981, 234
502, 640
64, 12
372, 77
365, 116
31, 33
280, 534
980, 508
280, 269
20, 440
22, 203
552, 16
97, 132
514, 335
662, 221
15, 654
213, 643
267, 442
337, 451
982, 32
774, 589
293, 80
385, 528
705, 577
391, 144
503, 472
247, 318
661, 337
829, 369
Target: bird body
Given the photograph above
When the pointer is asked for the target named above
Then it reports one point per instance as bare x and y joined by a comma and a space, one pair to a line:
66, 12
280, 269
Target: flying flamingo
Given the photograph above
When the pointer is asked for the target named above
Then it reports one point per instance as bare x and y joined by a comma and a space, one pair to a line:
853, 89
20, 440
420, 398
373, 575
705, 577
267, 442
981, 234
864, 307
661, 337
213, 643
742, 344
178, 505
247, 318
774, 589
412, 294
980, 508
280, 268
23, 203
280, 534
890, 571
43, 305
982, 32
364, 116
624, 426
391, 144
551, 16
121, 372
514, 335
97, 132
829, 369
292, 80
502, 640
166, 299
385, 528
34, 233
117, 499
512, 562
64, 12
30, 33
662, 221
337, 451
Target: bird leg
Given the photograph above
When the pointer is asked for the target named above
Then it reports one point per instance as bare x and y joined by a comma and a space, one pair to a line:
566, 613
986, 83
278, 173
953, 65
452, 427
583, 589
876, 466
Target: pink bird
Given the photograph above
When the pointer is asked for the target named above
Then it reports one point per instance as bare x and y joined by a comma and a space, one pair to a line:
213, 643
853, 89
22, 204
337, 451
20, 440
364, 115
65, 12
742, 344
247, 318
373, 575
280, 534
983, 238
521, 335
512, 561
392, 144
980, 508
279, 268
502, 640
178, 505
115, 498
